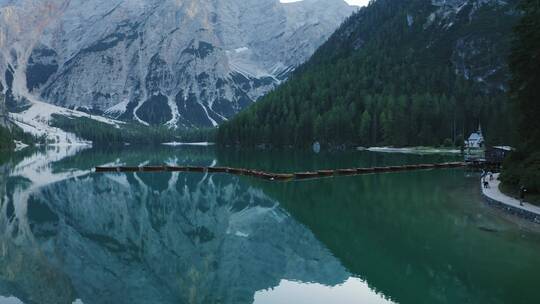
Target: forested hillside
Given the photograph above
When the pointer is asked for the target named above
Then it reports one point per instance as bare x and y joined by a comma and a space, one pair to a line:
523, 167
6, 141
397, 73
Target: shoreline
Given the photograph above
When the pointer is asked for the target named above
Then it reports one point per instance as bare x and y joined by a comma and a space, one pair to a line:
414, 150
177, 144
495, 198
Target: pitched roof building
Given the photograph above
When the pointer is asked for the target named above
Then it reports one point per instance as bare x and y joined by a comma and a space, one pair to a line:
476, 139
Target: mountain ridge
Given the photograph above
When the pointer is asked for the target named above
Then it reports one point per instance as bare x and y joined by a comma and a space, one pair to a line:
395, 73
180, 63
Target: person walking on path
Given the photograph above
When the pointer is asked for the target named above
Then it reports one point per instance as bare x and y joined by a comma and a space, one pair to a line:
522, 191
483, 178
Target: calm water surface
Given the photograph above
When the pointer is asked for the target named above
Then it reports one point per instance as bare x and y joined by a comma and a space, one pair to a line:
68, 235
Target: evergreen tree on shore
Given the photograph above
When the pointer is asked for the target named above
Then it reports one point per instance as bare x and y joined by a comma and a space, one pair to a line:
523, 167
525, 67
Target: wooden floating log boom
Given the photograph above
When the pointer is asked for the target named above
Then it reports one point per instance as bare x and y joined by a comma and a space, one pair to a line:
129, 169
346, 171
277, 176
304, 175
106, 169
218, 170
153, 169
283, 177
176, 169
325, 172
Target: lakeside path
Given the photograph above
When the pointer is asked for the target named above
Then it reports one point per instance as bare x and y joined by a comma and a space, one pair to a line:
494, 194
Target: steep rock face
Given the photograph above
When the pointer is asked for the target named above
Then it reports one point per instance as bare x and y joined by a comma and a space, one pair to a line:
187, 63
481, 54
473, 36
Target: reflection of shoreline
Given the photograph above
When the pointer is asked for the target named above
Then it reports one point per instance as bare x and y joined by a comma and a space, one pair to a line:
414, 150
351, 291
176, 144
37, 167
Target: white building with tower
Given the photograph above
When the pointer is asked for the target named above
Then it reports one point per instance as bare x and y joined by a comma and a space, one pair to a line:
475, 140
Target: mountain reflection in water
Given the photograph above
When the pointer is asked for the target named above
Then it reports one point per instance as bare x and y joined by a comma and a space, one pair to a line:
68, 235
71, 234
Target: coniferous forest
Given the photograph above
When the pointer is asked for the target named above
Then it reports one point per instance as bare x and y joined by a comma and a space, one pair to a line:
523, 166
389, 77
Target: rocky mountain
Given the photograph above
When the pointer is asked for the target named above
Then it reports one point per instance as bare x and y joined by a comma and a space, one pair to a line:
183, 63
399, 73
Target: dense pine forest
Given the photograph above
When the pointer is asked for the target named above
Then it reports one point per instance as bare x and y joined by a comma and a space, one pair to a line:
6, 141
102, 134
8, 132
523, 167
389, 77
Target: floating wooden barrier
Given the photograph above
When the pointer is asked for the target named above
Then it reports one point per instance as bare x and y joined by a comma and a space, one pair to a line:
218, 170
153, 169
196, 169
363, 170
233, 171
268, 176
106, 169
176, 169
325, 172
277, 176
410, 167
346, 171
252, 173
283, 177
304, 175
129, 169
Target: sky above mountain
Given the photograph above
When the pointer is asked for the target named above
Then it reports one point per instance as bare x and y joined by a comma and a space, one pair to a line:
358, 2
351, 2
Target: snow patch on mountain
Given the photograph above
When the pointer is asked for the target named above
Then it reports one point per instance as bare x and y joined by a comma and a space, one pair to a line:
36, 120
191, 63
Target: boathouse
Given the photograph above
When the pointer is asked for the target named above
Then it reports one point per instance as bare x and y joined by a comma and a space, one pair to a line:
497, 154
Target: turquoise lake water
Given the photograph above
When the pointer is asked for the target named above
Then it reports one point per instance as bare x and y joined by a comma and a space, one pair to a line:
68, 235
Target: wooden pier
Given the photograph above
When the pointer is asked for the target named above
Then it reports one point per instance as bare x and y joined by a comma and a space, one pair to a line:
279, 176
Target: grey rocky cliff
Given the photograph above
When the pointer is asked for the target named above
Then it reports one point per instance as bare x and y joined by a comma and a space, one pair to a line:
480, 49
188, 63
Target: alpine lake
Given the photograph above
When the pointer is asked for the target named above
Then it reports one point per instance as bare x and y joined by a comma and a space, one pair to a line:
69, 235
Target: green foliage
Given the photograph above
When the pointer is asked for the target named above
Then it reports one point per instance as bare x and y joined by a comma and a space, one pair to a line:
8, 136
379, 80
525, 67
523, 167
6, 139
102, 134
